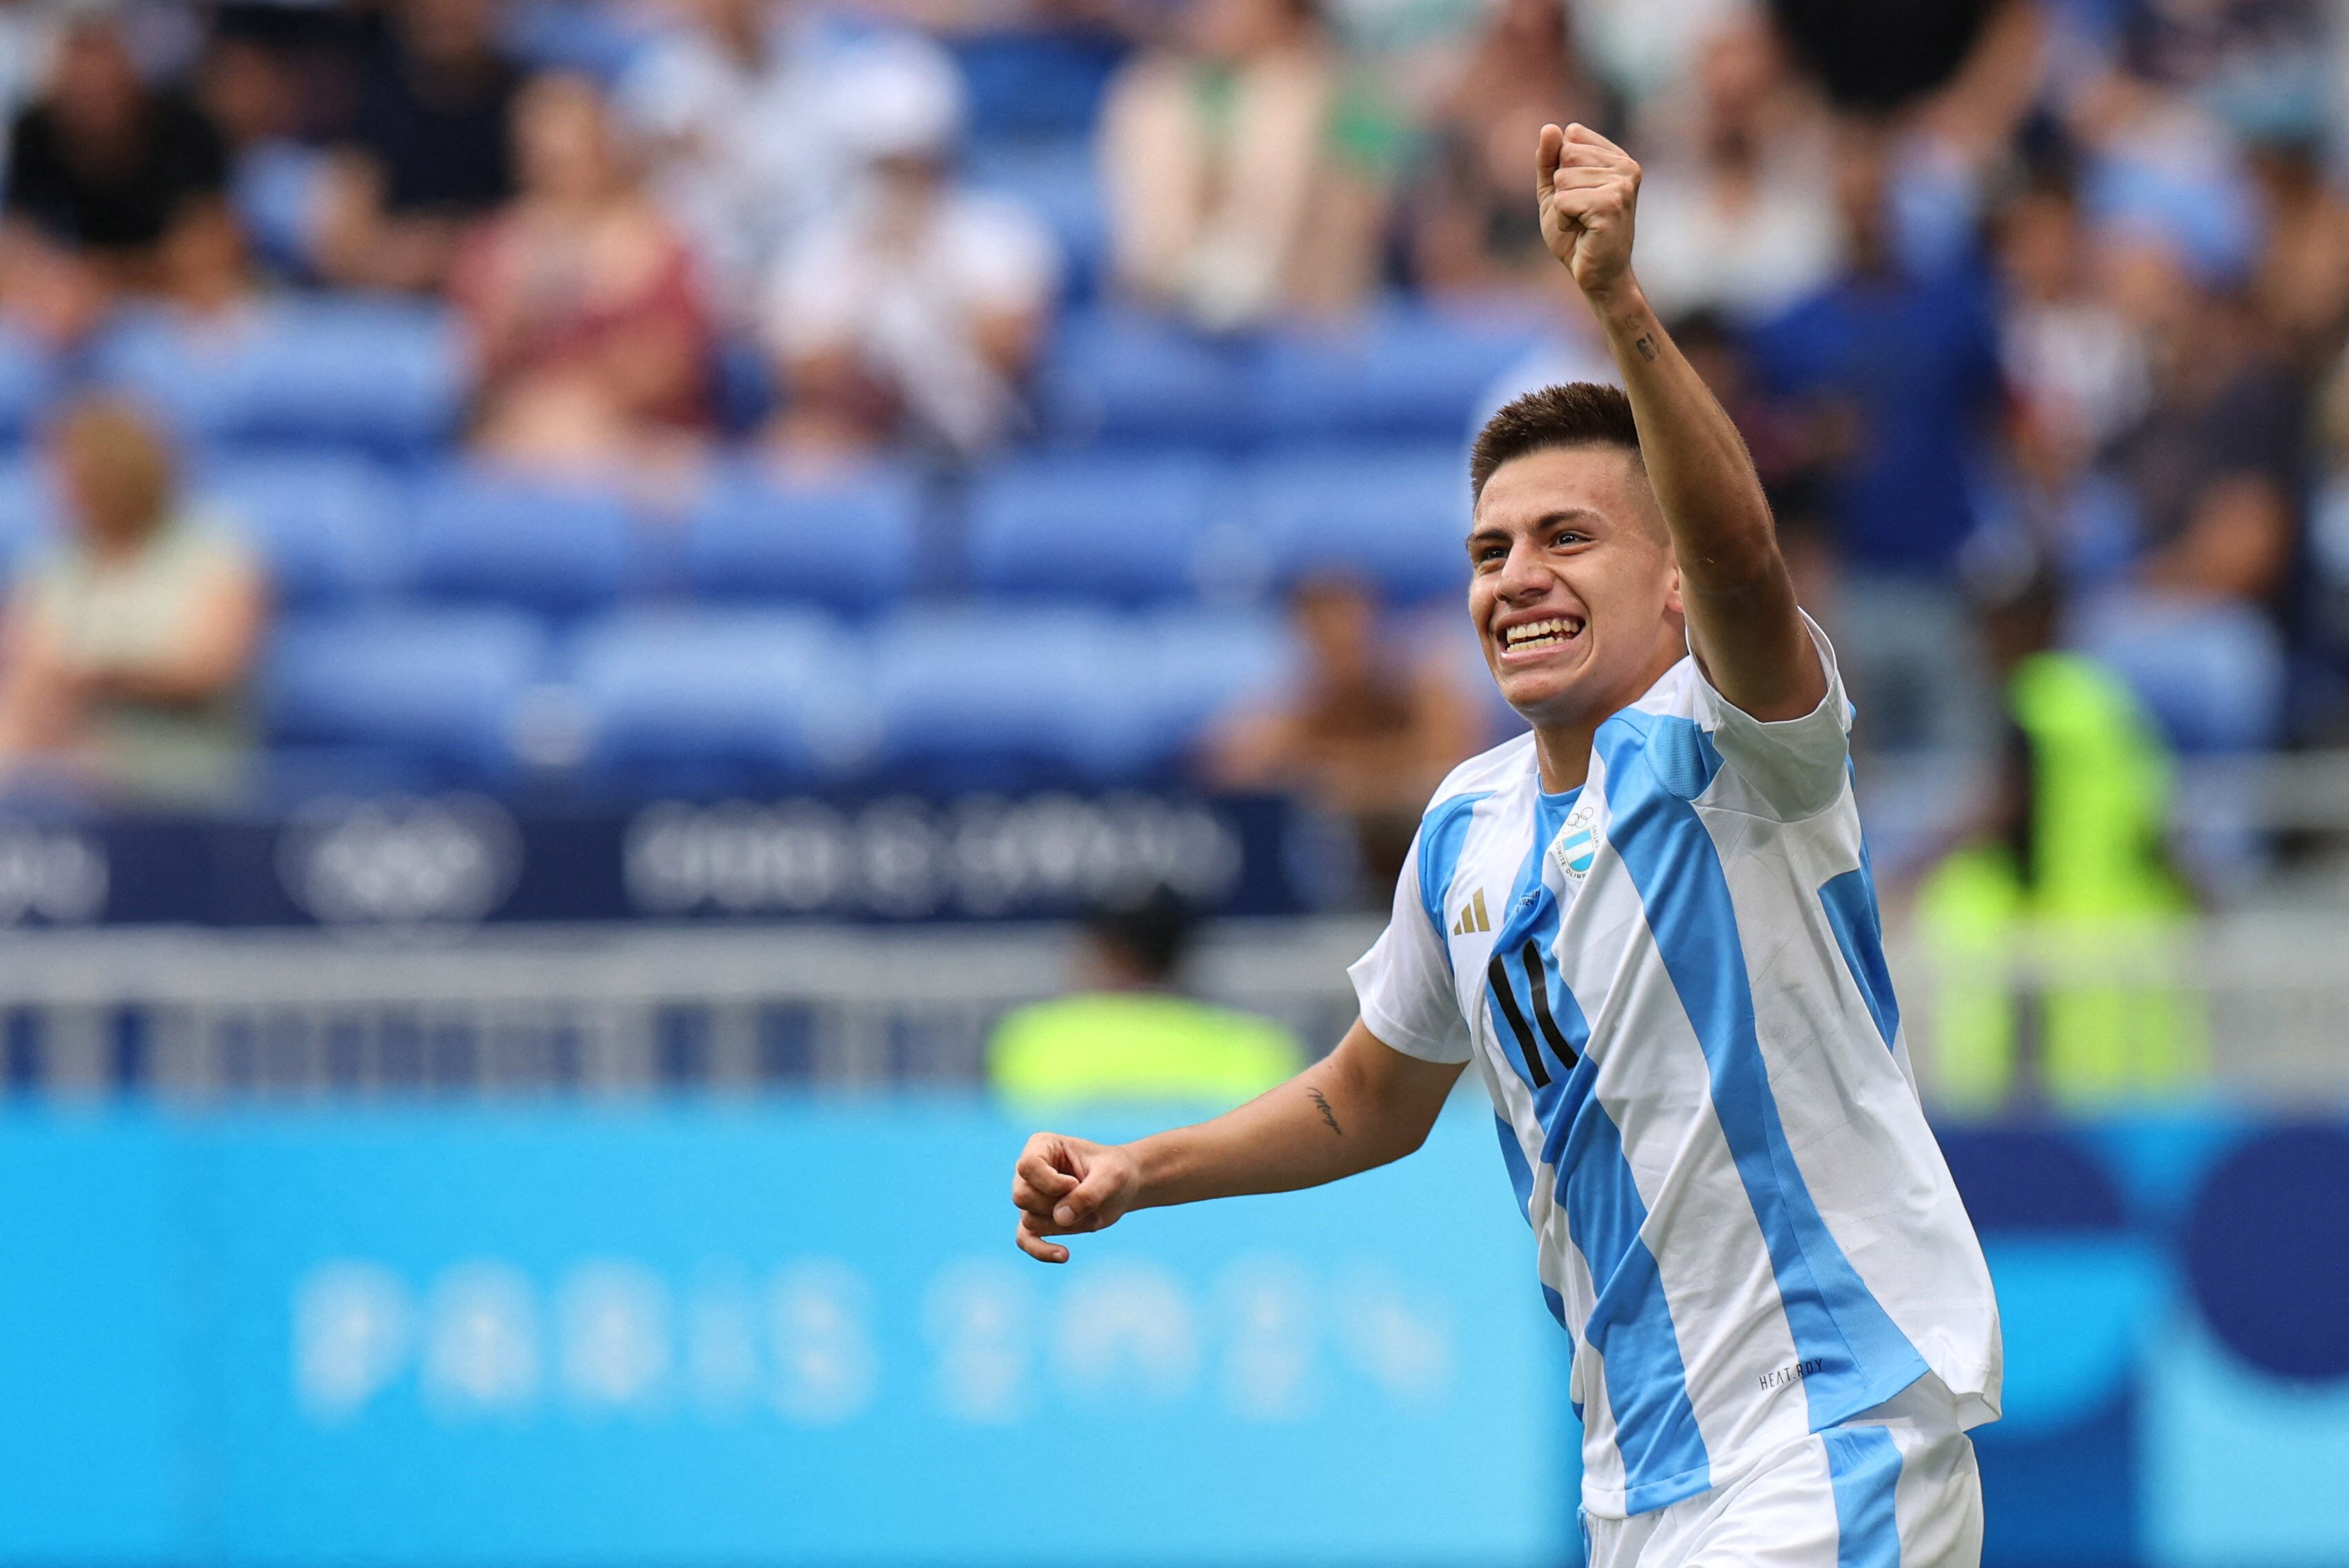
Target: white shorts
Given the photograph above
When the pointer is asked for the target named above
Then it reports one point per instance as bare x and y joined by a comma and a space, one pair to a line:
1896, 1496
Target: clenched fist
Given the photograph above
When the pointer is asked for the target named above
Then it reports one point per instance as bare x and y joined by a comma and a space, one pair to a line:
1589, 187
1063, 1186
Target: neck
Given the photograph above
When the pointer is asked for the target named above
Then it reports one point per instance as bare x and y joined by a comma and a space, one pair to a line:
1562, 751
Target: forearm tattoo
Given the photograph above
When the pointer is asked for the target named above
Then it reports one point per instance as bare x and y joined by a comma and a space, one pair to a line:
1322, 1100
1647, 347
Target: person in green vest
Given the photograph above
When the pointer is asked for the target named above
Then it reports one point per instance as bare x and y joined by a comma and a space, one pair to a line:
1130, 1036
2070, 871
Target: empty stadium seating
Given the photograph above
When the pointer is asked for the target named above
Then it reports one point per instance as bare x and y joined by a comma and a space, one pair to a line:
485, 536
440, 686
1404, 371
1124, 378
1119, 528
1077, 611
329, 525
1000, 699
851, 543
718, 701
1396, 515
379, 376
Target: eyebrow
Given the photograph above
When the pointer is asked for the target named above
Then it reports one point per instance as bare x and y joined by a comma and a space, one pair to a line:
1547, 520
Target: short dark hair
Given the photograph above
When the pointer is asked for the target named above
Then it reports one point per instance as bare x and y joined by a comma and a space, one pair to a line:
1152, 932
1578, 414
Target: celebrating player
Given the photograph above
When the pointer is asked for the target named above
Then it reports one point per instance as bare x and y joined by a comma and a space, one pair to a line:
1651, 925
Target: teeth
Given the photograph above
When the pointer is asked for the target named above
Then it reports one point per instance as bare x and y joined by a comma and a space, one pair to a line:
1535, 634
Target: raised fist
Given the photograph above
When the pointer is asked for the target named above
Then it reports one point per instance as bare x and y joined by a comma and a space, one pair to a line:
1589, 187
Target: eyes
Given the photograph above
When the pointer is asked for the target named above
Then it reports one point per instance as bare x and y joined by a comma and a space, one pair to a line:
1491, 551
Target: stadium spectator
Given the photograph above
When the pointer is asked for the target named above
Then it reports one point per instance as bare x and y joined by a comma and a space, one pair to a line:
735, 108
427, 149
29, 30
1737, 212
1232, 192
2215, 469
126, 652
2302, 281
1471, 232
2069, 853
1129, 1034
589, 329
1366, 735
2077, 367
1896, 371
916, 310
102, 169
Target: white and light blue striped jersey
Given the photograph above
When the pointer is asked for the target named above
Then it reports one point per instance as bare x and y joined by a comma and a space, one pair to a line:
1672, 981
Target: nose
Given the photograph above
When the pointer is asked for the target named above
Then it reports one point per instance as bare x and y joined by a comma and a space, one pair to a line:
1522, 574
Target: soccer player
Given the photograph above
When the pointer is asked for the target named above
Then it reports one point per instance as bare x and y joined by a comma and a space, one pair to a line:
1649, 924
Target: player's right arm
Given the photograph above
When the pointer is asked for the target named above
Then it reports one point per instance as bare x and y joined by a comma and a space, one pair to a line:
1362, 1106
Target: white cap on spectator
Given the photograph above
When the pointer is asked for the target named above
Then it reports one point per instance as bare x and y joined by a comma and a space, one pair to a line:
899, 97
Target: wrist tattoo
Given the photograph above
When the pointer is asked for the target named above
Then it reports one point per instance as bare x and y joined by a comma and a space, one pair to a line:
1647, 347
1327, 1114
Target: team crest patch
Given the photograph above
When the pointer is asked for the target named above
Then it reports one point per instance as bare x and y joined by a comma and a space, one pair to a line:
1576, 844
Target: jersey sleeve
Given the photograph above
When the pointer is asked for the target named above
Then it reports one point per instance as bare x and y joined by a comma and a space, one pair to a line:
1794, 768
1404, 981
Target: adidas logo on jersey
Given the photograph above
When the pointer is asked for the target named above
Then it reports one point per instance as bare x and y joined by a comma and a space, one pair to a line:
1472, 917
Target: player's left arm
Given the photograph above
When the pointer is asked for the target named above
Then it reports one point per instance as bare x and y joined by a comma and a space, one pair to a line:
1742, 622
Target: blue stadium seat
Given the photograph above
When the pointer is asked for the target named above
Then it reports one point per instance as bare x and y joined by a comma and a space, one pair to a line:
600, 41
1204, 663
717, 701
278, 191
1120, 529
328, 526
29, 379
1045, 85
1405, 371
1122, 377
995, 700
437, 684
482, 534
382, 376
1059, 182
1397, 517
848, 544
27, 512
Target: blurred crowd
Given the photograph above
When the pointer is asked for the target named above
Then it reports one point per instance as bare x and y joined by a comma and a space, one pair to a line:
2059, 315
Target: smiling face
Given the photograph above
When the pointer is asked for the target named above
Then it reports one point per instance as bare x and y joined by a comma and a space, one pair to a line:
1573, 589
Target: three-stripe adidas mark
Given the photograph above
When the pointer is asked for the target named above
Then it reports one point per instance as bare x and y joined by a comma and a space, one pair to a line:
1472, 917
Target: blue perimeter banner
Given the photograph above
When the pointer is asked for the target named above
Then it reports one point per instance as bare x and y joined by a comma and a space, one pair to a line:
770, 1335
787, 1333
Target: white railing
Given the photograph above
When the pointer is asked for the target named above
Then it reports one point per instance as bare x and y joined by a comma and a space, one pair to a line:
206, 1015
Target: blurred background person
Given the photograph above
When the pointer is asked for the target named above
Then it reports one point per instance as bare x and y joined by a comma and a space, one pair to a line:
426, 149
2301, 285
1127, 1032
740, 125
2214, 473
1737, 209
101, 169
2068, 860
1232, 191
128, 648
590, 331
1369, 732
915, 308
1895, 369
1470, 233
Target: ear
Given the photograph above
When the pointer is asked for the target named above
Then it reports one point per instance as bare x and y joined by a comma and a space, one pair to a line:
1672, 604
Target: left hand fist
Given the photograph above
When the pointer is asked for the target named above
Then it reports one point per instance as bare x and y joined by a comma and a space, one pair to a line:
1588, 188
